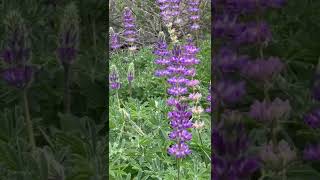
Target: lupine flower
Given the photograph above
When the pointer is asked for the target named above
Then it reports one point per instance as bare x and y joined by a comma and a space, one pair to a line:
266, 111
129, 28
130, 75
165, 11
194, 16
262, 70
228, 61
179, 70
312, 119
226, 26
180, 121
114, 79
198, 125
169, 11
254, 33
180, 150
16, 52
163, 54
197, 110
230, 92
17, 45
231, 160
312, 152
68, 38
114, 40
277, 156
18, 77
195, 96
172, 101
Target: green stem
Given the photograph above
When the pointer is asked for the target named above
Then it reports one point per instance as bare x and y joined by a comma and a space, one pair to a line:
130, 89
178, 168
118, 99
67, 89
28, 120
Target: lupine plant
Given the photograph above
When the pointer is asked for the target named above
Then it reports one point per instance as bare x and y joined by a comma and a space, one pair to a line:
67, 51
16, 55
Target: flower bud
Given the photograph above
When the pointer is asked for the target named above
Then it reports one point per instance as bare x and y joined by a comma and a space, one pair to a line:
130, 74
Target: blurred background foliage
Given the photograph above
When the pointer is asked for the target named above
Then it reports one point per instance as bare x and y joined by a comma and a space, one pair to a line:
69, 146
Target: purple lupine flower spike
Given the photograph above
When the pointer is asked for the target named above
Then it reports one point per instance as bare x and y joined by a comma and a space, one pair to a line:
114, 40
68, 38
114, 79
180, 71
163, 54
129, 28
18, 76
194, 14
16, 53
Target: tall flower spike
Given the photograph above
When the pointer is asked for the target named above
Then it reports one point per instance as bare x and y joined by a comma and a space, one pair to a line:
163, 54
68, 38
114, 40
114, 79
17, 44
16, 52
194, 14
129, 28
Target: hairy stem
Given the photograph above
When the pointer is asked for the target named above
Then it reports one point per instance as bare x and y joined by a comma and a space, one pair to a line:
67, 101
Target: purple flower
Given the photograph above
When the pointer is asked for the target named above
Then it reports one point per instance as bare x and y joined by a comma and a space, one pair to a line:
262, 70
129, 27
172, 101
114, 40
226, 26
266, 111
177, 80
312, 152
179, 150
114, 78
16, 52
130, 75
228, 61
161, 73
194, 14
161, 47
180, 135
192, 83
18, 77
231, 160
275, 156
254, 33
68, 38
230, 92
312, 119
177, 91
